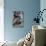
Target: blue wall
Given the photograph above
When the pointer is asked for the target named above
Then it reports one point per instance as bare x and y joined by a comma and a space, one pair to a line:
29, 7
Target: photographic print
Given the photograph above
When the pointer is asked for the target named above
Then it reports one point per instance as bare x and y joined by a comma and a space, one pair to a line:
18, 19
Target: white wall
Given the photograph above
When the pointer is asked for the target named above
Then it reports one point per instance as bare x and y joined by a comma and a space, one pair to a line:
1, 21
1, 3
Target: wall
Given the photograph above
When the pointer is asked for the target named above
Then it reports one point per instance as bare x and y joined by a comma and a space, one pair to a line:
1, 3
1, 21
43, 6
29, 7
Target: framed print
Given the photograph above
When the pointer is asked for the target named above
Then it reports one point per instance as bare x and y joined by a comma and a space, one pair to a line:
18, 19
